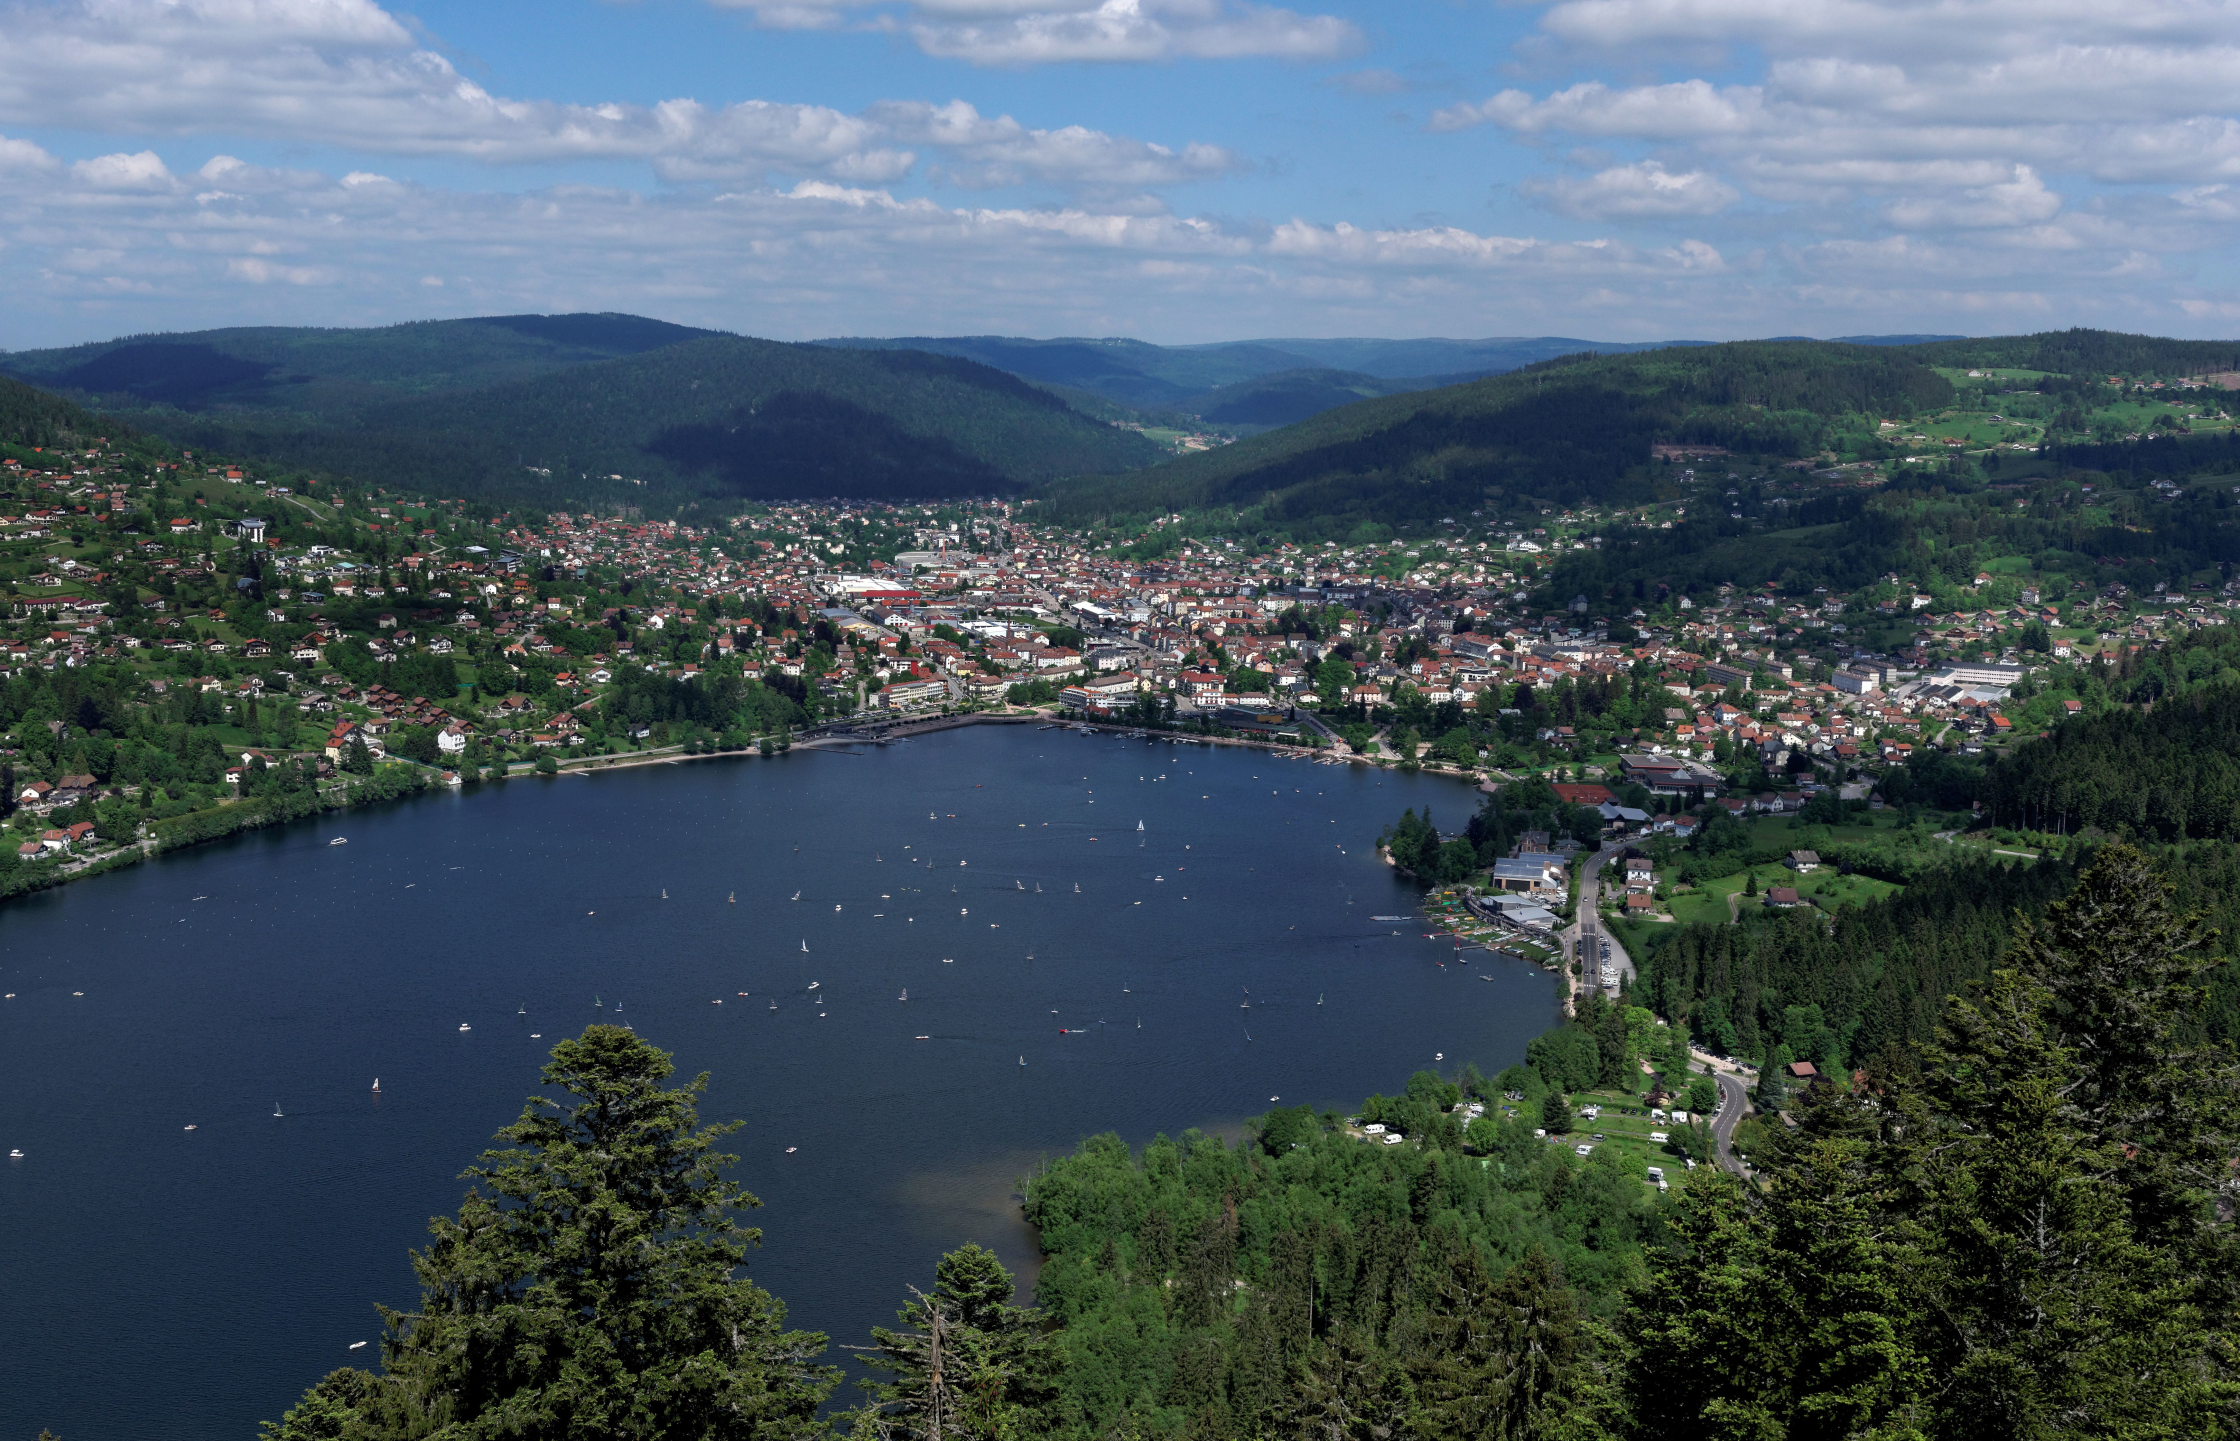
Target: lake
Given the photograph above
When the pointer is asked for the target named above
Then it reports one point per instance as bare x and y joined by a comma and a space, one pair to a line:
187, 1284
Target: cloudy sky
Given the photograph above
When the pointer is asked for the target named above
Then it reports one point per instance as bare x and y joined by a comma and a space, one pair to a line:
1175, 170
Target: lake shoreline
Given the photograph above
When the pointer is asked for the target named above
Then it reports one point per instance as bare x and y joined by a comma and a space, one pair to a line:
152, 847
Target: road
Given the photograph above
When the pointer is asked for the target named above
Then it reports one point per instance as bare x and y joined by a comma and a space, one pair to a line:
1733, 1101
1584, 934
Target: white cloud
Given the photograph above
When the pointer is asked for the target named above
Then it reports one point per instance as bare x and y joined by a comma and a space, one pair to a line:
347, 73
1690, 110
2023, 200
817, 257
1038, 32
143, 171
1920, 115
1643, 191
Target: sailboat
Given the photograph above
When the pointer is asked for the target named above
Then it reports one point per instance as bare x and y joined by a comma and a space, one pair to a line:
804, 947
664, 893
1022, 885
734, 898
524, 1009
1022, 1061
376, 1087
1077, 888
905, 994
597, 1004
1139, 825
797, 895
276, 1108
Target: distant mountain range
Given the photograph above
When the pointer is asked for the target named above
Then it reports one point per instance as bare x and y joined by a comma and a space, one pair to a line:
1250, 383
576, 408
593, 407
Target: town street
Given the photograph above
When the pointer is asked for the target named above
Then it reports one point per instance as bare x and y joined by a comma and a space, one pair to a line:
1584, 934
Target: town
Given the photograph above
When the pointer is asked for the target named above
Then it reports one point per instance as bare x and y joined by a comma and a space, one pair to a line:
190, 636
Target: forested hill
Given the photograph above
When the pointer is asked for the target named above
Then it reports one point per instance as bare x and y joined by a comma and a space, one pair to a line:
2088, 354
32, 417
1197, 379
321, 370
720, 417
1567, 430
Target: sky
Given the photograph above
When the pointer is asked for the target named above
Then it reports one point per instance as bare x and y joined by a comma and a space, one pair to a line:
1179, 171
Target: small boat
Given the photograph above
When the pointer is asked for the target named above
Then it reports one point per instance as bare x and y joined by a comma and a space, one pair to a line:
1438, 1055
17, 1154
191, 1126
339, 841
923, 1038
773, 1005
354, 1345
791, 1149
814, 984
465, 1027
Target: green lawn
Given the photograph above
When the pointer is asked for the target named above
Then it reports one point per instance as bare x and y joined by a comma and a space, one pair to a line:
1624, 1127
1708, 904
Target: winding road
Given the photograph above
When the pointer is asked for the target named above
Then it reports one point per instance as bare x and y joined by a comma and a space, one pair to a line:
1733, 1101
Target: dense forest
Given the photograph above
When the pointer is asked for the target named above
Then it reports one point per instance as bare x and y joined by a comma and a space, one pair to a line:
317, 370
1791, 985
2087, 354
537, 415
1566, 430
2169, 770
2017, 1227
722, 417
31, 417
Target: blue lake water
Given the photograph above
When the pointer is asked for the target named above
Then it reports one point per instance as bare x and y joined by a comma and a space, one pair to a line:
160, 1282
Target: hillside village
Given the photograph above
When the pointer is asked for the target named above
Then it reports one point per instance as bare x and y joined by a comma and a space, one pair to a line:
339, 635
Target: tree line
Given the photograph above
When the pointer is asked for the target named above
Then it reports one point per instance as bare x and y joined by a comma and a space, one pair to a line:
2019, 1226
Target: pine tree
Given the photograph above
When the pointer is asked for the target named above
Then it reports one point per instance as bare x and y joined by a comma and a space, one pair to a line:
1506, 1358
969, 1363
587, 1287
